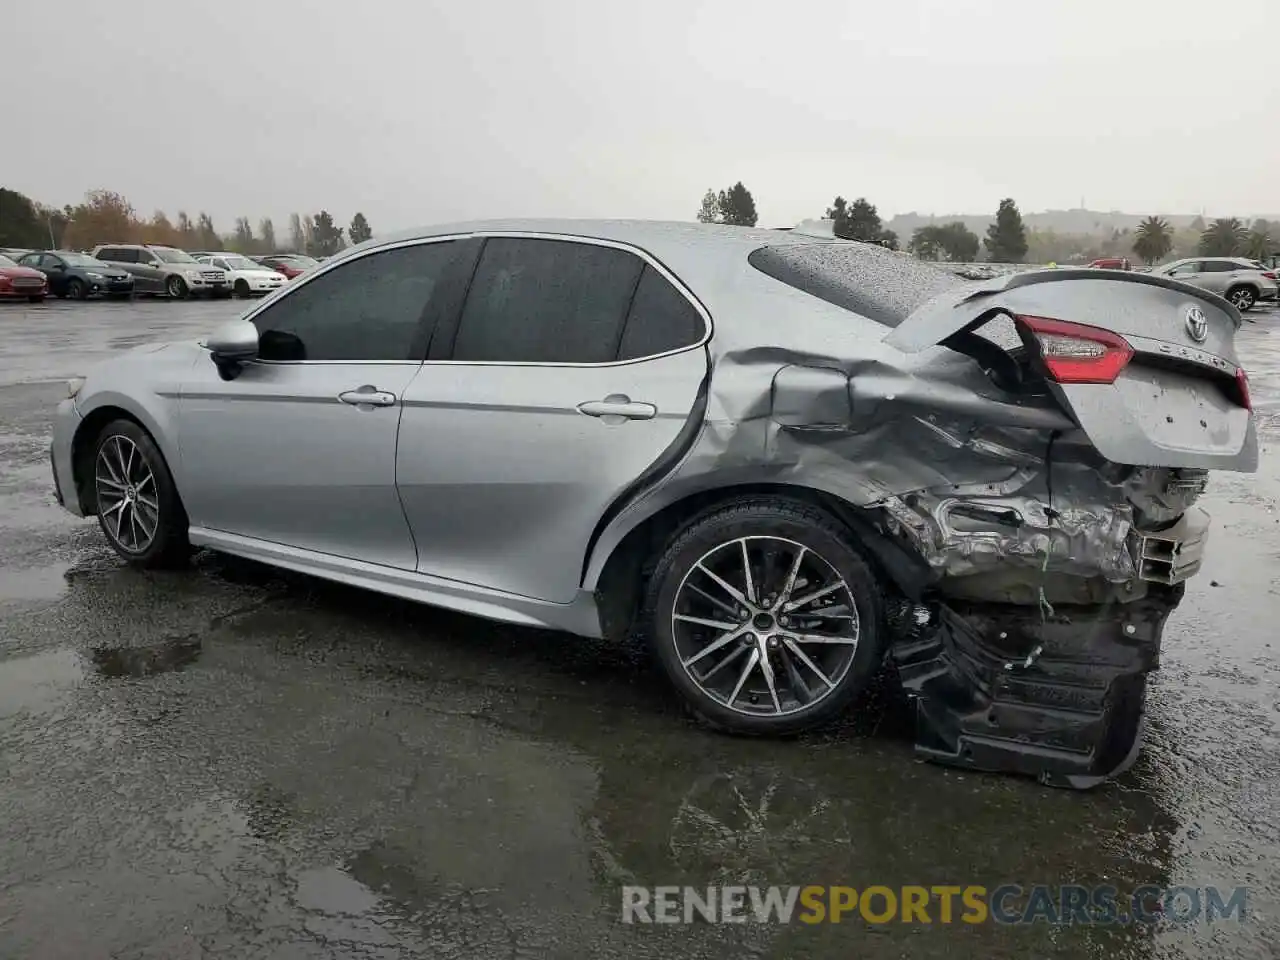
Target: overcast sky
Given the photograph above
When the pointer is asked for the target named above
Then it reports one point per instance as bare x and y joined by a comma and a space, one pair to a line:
420, 111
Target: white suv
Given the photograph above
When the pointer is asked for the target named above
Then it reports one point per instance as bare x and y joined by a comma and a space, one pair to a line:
248, 279
1241, 281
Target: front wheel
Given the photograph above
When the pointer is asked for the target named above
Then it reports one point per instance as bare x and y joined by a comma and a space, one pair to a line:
137, 503
76, 289
1242, 298
765, 617
242, 289
176, 287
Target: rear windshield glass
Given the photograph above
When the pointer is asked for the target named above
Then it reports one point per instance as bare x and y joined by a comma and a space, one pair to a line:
878, 284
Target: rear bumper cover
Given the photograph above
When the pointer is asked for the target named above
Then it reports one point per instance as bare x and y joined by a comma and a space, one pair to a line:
1059, 696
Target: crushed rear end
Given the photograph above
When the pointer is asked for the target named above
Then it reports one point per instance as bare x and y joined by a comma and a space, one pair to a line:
1055, 594
1030, 453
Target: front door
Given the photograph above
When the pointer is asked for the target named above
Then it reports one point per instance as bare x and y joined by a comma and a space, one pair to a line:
574, 367
300, 448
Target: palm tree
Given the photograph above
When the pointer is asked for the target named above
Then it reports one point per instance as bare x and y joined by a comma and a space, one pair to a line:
1154, 240
1259, 245
1225, 237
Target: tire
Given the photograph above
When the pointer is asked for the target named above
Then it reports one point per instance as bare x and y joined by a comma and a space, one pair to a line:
76, 289
155, 536
242, 289
814, 680
1242, 298
176, 288
39, 299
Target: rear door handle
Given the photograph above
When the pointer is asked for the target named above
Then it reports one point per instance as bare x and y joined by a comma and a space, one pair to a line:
618, 405
368, 396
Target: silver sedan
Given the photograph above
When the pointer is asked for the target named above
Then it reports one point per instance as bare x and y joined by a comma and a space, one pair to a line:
784, 459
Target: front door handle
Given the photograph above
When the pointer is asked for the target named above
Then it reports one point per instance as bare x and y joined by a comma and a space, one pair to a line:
368, 396
620, 406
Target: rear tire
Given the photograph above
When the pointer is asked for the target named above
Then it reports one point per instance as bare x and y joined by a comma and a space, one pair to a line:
176, 288
1242, 298
137, 504
816, 621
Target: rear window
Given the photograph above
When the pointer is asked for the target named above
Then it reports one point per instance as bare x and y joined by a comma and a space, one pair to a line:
878, 284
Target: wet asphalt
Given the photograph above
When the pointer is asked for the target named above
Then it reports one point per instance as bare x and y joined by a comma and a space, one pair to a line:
234, 762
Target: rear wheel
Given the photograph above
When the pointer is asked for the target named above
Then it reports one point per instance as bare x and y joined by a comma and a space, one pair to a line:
176, 287
1242, 298
137, 503
765, 617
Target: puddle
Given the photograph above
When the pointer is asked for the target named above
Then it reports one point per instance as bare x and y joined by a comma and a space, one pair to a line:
38, 682
166, 657
35, 583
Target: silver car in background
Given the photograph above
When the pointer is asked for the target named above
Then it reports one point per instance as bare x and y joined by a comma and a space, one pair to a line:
781, 459
167, 271
1239, 280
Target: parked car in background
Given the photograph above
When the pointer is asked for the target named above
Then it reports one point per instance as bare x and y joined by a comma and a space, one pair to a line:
805, 456
1112, 263
248, 278
21, 282
165, 271
78, 275
13, 253
290, 264
1237, 279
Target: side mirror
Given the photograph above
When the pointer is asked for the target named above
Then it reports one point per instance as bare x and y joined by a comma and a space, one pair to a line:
231, 345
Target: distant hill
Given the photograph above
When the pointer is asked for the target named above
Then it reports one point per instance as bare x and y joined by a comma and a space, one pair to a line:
1059, 221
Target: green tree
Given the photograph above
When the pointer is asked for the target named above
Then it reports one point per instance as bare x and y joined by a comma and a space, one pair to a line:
925, 243
709, 212
737, 206
359, 231
1006, 240
297, 234
855, 221
267, 235
20, 224
104, 217
1225, 237
55, 222
187, 236
326, 238
958, 242
1259, 244
244, 240
1153, 240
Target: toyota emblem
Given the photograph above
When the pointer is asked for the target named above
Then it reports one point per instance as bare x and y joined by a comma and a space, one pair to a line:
1197, 324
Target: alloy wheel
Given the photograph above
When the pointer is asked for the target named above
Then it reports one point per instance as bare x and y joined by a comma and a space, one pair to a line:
128, 500
1242, 299
765, 626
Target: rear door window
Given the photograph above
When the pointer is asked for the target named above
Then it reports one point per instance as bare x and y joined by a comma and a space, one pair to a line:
547, 301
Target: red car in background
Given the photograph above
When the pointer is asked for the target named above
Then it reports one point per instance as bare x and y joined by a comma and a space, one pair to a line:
1112, 263
16, 281
290, 264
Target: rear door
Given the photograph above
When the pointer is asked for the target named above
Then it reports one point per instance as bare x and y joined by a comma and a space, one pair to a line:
1146, 367
573, 368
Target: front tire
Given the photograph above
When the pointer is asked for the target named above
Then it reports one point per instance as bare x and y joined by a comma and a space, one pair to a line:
76, 289
137, 504
765, 617
1242, 298
176, 288
242, 289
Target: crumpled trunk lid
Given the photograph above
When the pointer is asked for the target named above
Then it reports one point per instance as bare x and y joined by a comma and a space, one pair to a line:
1180, 399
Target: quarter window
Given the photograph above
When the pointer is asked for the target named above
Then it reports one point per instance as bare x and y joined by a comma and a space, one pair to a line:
370, 308
661, 319
547, 301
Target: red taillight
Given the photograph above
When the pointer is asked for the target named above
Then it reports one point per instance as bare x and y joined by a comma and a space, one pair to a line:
1268, 274
1076, 353
1242, 385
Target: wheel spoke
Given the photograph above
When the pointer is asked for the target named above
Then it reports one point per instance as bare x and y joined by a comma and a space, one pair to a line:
724, 662
815, 595
767, 669
790, 584
725, 585
721, 642
746, 572
802, 691
151, 504
104, 460
124, 468
732, 611
700, 621
118, 505
134, 529
149, 478
804, 658
128, 467
105, 482
752, 660
120, 519
142, 521
824, 638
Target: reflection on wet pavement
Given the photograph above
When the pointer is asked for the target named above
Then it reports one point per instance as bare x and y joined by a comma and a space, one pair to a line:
238, 762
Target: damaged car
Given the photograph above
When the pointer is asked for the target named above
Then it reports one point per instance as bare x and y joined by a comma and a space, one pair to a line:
786, 460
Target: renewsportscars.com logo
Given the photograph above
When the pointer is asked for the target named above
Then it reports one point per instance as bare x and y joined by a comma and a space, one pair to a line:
1010, 904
